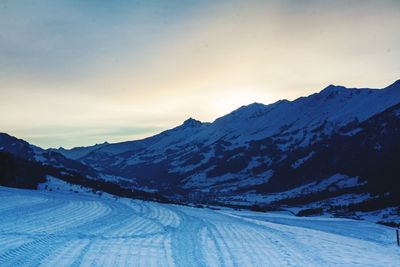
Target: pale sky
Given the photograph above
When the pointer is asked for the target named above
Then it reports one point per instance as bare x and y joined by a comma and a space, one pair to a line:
77, 72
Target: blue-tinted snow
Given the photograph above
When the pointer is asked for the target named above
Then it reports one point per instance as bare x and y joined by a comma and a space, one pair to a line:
79, 229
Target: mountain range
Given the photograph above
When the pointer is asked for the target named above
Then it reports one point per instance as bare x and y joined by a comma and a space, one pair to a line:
334, 151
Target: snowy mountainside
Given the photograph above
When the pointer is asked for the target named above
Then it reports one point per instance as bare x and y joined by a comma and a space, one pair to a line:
282, 154
77, 152
23, 165
333, 107
243, 145
347, 175
26, 151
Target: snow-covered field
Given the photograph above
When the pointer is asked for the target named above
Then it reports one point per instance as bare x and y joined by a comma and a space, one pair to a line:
78, 229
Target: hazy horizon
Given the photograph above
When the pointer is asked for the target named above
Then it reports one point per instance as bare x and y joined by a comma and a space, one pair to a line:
75, 73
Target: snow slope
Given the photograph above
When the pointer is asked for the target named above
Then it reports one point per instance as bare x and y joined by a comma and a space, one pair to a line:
69, 229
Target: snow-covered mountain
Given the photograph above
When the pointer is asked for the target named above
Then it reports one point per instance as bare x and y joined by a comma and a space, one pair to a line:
282, 153
197, 149
23, 165
26, 151
332, 108
77, 152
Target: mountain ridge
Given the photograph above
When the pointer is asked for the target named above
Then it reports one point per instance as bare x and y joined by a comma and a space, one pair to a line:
276, 154
254, 107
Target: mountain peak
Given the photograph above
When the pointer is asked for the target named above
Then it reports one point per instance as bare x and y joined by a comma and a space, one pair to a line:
332, 91
251, 107
395, 84
255, 104
333, 88
191, 123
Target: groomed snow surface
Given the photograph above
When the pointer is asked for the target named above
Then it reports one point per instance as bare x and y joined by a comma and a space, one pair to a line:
78, 229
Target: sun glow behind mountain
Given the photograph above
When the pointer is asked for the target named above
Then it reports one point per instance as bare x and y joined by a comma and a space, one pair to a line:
82, 72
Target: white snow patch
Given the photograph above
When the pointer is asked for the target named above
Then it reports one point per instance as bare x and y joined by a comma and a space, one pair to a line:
301, 161
354, 131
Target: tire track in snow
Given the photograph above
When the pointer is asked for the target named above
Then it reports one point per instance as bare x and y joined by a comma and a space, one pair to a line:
240, 243
32, 253
11, 203
67, 255
288, 251
97, 227
225, 256
122, 223
185, 240
79, 230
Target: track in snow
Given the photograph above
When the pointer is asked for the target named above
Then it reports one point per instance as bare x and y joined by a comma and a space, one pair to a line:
65, 229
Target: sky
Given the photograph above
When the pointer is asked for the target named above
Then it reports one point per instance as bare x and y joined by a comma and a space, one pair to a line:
81, 72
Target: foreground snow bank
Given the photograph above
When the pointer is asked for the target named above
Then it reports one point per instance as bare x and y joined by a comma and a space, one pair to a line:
71, 229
